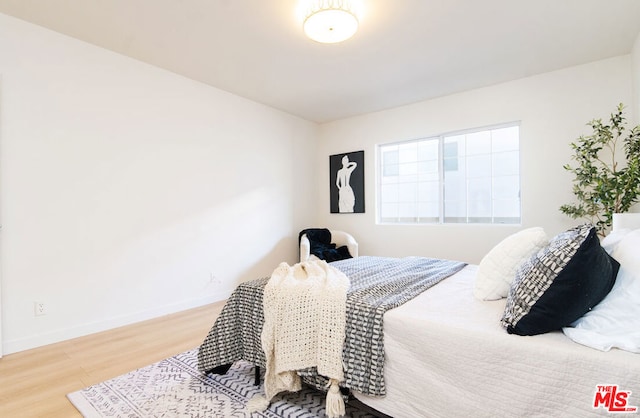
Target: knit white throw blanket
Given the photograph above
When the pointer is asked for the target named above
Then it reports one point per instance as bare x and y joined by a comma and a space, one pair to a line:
304, 326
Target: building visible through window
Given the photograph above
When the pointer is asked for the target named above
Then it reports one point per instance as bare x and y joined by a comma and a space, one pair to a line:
471, 176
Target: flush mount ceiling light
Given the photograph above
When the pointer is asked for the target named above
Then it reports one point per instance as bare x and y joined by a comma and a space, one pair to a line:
330, 21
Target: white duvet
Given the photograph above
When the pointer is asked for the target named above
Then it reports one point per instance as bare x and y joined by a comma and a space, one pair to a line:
448, 356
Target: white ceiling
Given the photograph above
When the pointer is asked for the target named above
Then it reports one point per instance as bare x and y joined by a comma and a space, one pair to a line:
405, 50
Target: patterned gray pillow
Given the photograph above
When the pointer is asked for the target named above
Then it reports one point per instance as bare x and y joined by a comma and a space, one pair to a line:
560, 283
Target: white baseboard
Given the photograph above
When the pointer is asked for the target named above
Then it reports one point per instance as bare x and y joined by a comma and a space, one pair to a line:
14, 346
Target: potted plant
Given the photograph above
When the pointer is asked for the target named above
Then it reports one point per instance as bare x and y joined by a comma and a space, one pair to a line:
606, 171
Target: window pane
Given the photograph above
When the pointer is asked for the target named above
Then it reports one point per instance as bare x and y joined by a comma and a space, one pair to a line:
407, 210
470, 177
429, 211
408, 153
505, 139
407, 192
506, 163
390, 163
453, 150
454, 187
428, 166
429, 191
409, 169
389, 193
506, 208
479, 166
428, 150
479, 189
455, 210
452, 153
479, 143
480, 209
429, 177
506, 187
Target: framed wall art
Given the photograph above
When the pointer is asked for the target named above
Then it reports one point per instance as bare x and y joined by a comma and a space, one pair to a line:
346, 182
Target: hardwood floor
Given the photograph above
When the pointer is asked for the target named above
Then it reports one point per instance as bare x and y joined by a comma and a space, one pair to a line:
35, 383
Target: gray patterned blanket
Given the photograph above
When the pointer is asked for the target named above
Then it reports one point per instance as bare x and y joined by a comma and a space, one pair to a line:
377, 285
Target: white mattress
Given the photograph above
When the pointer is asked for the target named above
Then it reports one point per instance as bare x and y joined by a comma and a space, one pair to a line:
448, 356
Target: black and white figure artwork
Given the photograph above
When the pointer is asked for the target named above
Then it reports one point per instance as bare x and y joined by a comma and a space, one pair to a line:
347, 182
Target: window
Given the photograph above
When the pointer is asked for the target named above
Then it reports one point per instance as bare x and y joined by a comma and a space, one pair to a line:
462, 177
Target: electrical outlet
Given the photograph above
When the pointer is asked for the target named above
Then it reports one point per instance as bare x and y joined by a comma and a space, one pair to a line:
40, 308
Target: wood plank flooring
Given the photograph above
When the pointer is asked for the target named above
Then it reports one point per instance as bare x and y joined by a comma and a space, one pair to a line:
35, 383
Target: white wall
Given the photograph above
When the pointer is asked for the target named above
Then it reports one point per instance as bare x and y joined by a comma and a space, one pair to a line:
553, 109
124, 188
635, 71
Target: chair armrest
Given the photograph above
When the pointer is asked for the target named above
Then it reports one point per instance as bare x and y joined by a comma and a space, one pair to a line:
341, 238
305, 248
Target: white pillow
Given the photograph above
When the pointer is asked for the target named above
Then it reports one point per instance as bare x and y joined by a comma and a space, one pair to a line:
610, 242
498, 268
615, 322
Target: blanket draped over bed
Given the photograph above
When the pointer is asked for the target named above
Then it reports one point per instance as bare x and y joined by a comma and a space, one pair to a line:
304, 326
377, 285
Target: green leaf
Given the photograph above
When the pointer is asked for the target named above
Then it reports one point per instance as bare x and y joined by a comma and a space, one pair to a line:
601, 186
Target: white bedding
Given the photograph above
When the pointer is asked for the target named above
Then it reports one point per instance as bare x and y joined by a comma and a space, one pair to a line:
448, 356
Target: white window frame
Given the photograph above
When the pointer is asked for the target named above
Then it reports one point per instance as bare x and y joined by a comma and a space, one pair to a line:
431, 220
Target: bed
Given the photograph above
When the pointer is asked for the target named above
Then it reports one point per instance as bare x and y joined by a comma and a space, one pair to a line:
447, 354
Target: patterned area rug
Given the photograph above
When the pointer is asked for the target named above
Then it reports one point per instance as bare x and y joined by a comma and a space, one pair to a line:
175, 388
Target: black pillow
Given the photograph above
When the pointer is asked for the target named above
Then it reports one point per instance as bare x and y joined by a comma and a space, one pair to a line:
560, 283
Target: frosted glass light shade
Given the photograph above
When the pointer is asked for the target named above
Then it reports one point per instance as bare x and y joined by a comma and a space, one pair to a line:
331, 22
